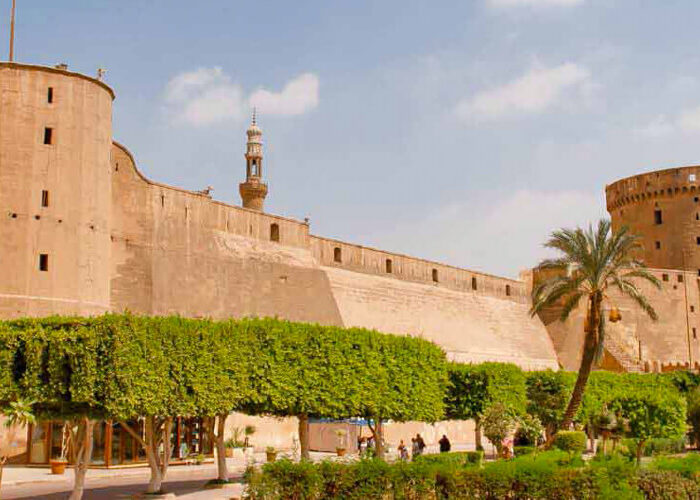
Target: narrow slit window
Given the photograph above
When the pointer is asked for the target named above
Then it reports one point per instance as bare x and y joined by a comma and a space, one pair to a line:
695, 333
435, 275
337, 255
43, 262
44, 198
274, 232
388, 266
49, 95
657, 217
473, 283
48, 135
508, 290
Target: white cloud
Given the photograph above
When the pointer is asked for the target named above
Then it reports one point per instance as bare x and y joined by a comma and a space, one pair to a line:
497, 232
658, 127
534, 3
534, 92
297, 97
208, 95
687, 122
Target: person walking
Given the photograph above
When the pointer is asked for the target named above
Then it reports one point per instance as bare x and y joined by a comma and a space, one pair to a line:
421, 444
415, 450
445, 445
403, 451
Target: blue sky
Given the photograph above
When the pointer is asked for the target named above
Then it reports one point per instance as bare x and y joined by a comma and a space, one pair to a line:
460, 131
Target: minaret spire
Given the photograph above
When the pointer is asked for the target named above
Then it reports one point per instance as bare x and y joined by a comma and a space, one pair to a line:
253, 190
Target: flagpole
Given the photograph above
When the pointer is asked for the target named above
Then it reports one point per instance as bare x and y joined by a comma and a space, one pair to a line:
12, 32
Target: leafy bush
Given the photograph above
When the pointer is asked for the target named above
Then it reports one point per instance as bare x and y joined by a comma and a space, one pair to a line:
664, 485
461, 458
571, 441
653, 447
524, 450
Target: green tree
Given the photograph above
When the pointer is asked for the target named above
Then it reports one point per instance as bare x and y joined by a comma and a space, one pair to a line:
547, 394
590, 262
472, 388
17, 414
651, 414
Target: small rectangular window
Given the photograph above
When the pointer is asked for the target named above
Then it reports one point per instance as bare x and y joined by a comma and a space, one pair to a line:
695, 333
48, 135
508, 290
274, 232
337, 255
680, 278
49, 95
388, 266
435, 275
664, 277
473, 283
43, 262
657, 217
44, 198
657, 245
692, 309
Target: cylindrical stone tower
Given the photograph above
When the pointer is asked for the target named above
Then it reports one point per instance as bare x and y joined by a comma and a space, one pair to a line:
55, 192
663, 208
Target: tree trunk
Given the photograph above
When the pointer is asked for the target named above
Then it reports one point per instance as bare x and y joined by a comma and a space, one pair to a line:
378, 435
221, 447
304, 437
589, 349
640, 447
477, 434
3, 461
82, 457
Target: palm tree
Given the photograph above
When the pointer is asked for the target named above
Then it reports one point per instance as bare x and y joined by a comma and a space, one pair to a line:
18, 413
591, 261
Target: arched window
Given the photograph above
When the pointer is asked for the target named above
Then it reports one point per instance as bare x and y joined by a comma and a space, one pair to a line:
337, 255
274, 232
508, 290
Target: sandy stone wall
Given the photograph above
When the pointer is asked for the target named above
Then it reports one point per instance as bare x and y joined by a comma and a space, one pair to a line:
73, 231
637, 342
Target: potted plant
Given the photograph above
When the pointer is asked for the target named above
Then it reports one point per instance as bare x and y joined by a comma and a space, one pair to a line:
58, 465
271, 453
248, 431
235, 445
341, 446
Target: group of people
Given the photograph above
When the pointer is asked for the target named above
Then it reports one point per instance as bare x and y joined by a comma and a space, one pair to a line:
418, 446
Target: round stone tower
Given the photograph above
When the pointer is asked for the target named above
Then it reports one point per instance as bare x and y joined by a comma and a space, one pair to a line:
55, 191
253, 191
663, 208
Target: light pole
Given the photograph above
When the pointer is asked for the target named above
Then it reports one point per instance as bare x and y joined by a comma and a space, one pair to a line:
12, 31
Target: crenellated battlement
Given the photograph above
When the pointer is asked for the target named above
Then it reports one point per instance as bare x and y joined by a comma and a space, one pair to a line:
653, 185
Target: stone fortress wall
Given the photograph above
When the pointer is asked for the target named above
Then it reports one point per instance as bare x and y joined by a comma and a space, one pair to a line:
84, 232
663, 209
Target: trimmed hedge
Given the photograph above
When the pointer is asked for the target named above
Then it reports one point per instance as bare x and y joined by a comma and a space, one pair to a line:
549, 475
571, 441
463, 458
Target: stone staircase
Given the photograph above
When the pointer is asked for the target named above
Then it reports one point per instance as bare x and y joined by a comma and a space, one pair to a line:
628, 360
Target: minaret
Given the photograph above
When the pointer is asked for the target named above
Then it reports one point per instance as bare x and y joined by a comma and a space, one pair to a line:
253, 190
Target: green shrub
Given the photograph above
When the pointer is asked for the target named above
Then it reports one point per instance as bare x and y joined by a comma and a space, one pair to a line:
460, 458
654, 447
662, 485
555, 474
524, 450
571, 441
